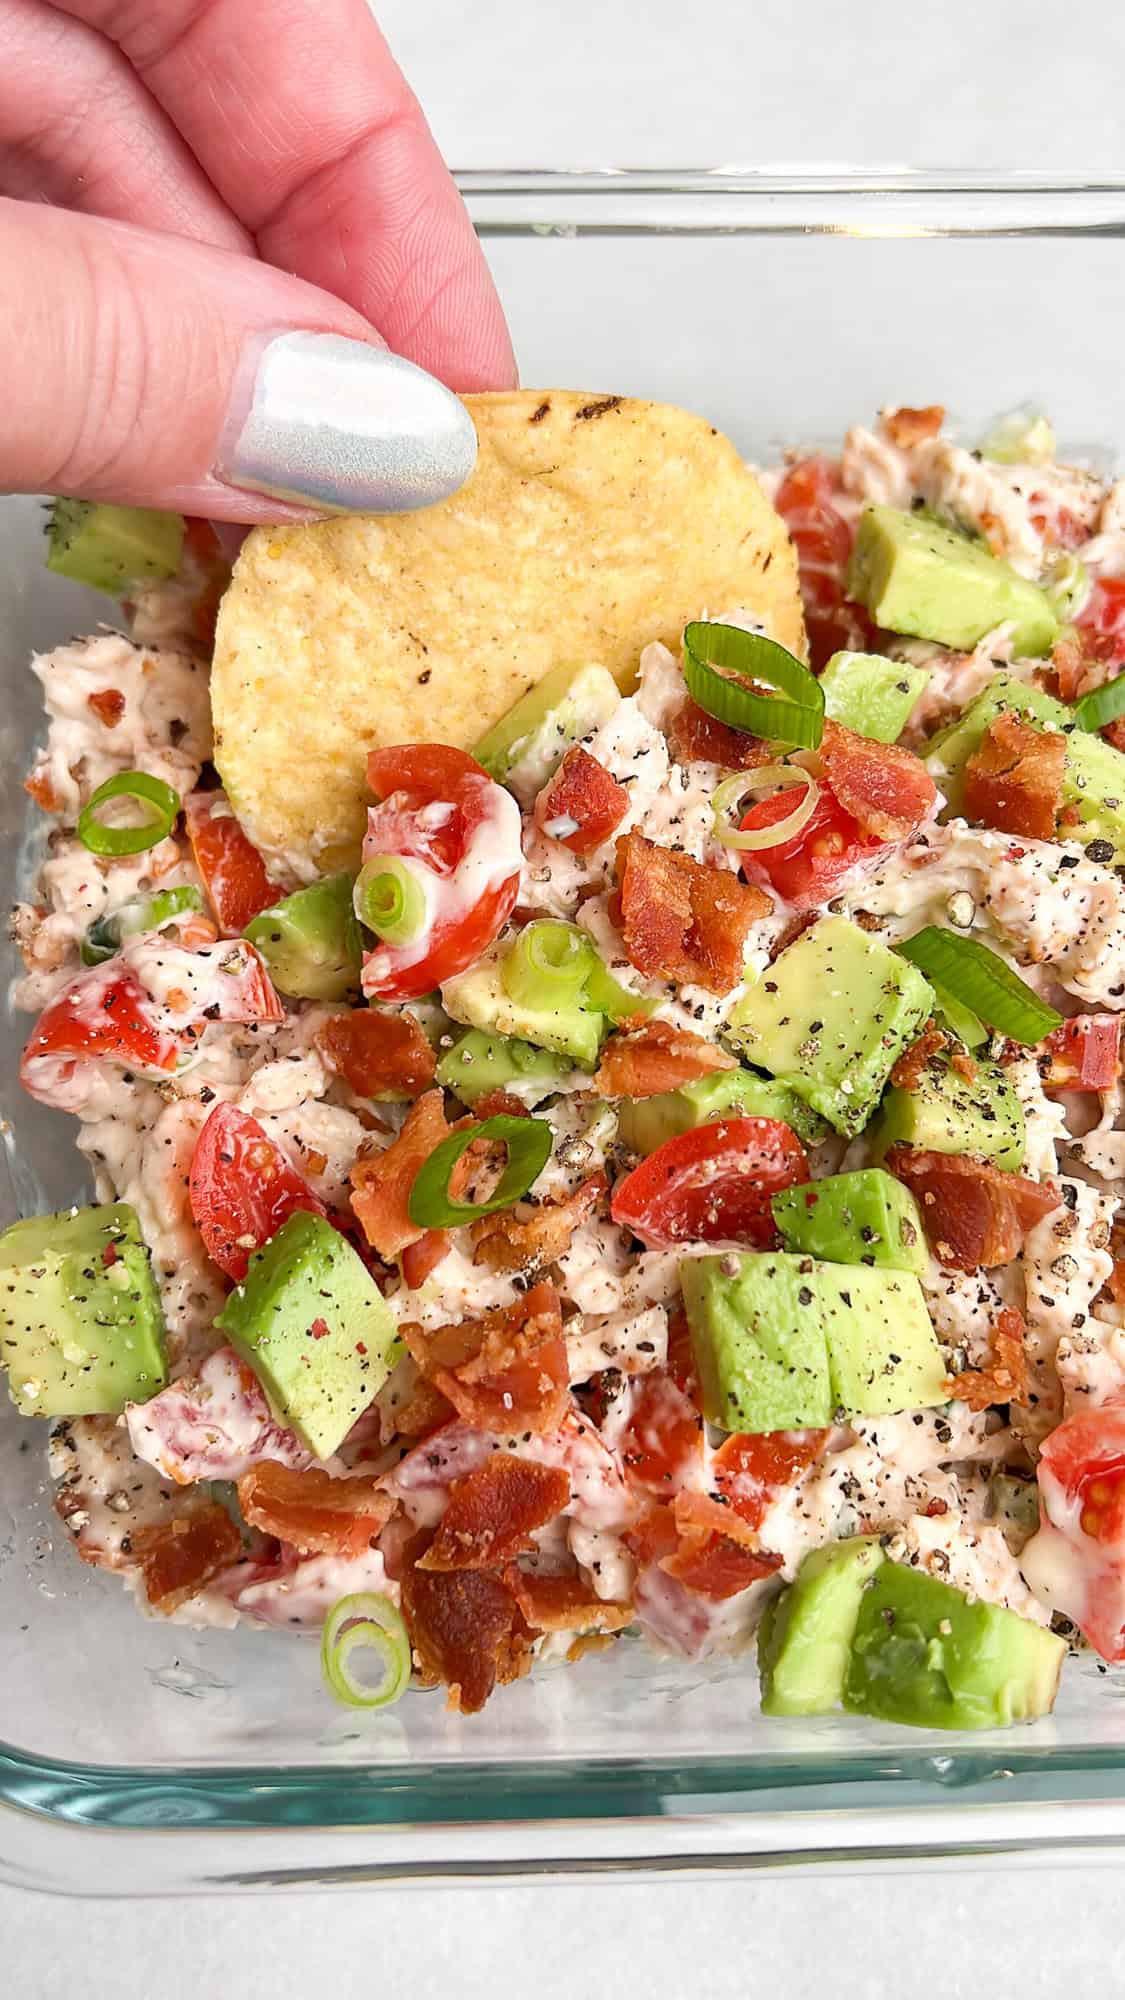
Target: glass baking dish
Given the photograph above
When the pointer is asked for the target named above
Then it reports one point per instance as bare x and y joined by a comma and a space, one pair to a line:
142, 1757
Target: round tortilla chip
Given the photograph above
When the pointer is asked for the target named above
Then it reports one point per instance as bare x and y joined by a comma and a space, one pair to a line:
591, 525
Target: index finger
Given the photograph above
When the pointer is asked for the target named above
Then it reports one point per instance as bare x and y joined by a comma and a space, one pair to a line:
306, 127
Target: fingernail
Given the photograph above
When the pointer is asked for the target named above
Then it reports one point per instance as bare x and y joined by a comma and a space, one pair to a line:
335, 424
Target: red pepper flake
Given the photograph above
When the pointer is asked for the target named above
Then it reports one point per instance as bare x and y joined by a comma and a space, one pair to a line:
319, 1328
360, 1347
109, 1255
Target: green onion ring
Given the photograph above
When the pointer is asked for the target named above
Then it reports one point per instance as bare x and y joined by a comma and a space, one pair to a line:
547, 965
1101, 705
390, 900
102, 839
982, 982
732, 791
366, 1622
528, 1141
106, 935
792, 709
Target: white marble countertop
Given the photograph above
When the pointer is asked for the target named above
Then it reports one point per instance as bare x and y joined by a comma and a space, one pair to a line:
595, 82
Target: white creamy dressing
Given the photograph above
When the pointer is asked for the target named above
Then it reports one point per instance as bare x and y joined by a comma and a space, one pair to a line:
215, 1425
164, 727
74, 889
1065, 1262
493, 855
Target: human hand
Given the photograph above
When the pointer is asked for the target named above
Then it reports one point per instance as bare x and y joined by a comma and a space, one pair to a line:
204, 190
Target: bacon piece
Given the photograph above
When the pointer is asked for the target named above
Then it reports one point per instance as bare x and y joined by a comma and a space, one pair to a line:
681, 920
696, 1513
177, 1557
705, 1561
583, 801
381, 1182
1007, 1379
500, 1104
1014, 778
379, 1054
975, 1216
466, 1630
696, 737
419, 1259
108, 704
494, 1511
1084, 1054
501, 1243
887, 790
657, 1057
905, 427
910, 1068
505, 1372
750, 1468
564, 1604
417, 1410
315, 1514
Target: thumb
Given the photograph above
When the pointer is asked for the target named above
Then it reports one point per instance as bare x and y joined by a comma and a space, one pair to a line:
159, 372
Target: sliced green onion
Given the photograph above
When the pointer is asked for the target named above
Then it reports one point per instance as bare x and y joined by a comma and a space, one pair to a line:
981, 981
106, 935
957, 1019
606, 995
732, 791
163, 802
528, 1143
390, 900
1101, 705
547, 966
1022, 437
1067, 584
366, 1622
787, 705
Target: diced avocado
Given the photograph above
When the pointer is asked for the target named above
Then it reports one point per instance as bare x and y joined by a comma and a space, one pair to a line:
311, 1322
758, 1341
112, 548
948, 1113
806, 1633
478, 1063
925, 1654
865, 1217
1094, 775
106, 935
1067, 584
1023, 437
883, 1354
528, 743
310, 941
478, 998
1014, 1504
830, 1017
915, 576
81, 1331
644, 1123
871, 694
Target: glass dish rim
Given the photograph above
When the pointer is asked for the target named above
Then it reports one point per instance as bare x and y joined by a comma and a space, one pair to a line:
1048, 1789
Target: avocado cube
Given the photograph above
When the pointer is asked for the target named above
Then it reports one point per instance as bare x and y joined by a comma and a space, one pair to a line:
865, 1217
1094, 776
310, 941
916, 576
478, 1063
830, 1017
758, 1341
81, 1330
644, 1123
871, 694
479, 999
805, 1636
948, 1113
526, 746
926, 1655
113, 548
883, 1354
309, 1319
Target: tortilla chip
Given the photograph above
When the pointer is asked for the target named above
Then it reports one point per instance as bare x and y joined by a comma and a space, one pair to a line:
590, 526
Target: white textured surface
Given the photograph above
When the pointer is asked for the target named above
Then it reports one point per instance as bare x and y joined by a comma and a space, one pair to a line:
519, 82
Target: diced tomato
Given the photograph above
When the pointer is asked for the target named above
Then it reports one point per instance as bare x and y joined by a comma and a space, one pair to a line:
716, 1566
1081, 1475
712, 1185
495, 1511
663, 1444
1101, 621
420, 1258
750, 1468
582, 804
379, 1054
823, 541
656, 1058
805, 869
440, 810
203, 547
974, 1215
242, 1189
234, 874
103, 1015
311, 1511
1084, 1054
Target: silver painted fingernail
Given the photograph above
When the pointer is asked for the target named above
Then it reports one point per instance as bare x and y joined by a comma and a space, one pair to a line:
346, 428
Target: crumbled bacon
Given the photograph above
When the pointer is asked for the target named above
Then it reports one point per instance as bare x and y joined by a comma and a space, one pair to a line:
962, 1063
582, 804
564, 1603
314, 1513
750, 1467
1007, 1378
681, 920
504, 1372
177, 1558
39, 787
108, 704
910, 1068
501, 1104
1014, 778
381, 1182
379, 1054
502, 1243
466, 1630
705, 1560
886, 789
420, 1410
906, 427
696, 737
975, 1216
494, 1512
655, 1058
420, 1258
